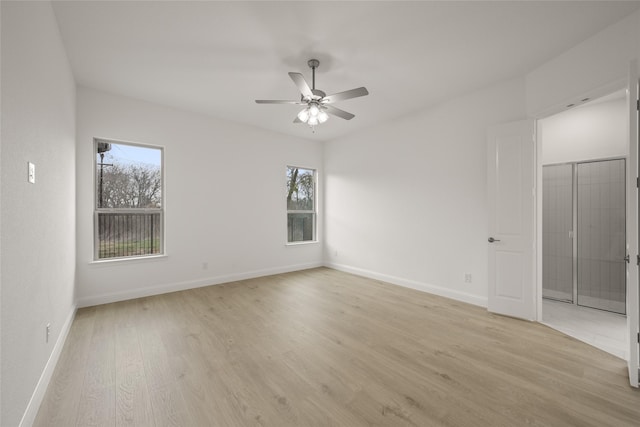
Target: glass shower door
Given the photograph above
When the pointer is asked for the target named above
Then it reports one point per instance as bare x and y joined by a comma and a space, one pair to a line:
557, 230
601, 235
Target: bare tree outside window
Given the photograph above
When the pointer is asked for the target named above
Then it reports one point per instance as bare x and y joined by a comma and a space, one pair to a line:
301, 204
129, 208
131, 186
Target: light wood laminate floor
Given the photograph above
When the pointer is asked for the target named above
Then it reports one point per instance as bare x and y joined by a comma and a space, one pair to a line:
325, 348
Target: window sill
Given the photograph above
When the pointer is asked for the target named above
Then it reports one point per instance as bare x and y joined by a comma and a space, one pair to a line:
138, 259
307, 242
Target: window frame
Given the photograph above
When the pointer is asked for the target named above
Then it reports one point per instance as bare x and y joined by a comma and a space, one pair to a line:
98, 210
313, 212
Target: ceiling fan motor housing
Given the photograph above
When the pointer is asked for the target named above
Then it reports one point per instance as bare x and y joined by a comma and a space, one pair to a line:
318, 93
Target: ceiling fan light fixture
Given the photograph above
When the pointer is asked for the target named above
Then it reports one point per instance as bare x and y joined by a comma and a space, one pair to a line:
304, 115
316, 110
313, 120
313, 109
322, 116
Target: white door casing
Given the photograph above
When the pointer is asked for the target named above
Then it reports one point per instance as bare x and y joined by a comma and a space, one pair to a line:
632, 226
511, 196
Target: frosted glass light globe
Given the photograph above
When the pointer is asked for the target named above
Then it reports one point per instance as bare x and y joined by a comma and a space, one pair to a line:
313, 110
304, 115
323, 116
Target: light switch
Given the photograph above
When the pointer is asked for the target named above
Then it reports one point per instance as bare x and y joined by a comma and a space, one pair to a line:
32, 173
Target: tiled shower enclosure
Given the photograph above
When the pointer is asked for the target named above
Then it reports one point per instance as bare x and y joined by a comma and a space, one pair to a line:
583, 227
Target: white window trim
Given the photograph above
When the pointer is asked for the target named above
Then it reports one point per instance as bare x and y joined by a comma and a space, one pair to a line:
97, 210
305, 242
314, 211
131, 259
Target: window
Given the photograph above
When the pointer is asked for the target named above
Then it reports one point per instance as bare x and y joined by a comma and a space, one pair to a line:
301, 204
129, 217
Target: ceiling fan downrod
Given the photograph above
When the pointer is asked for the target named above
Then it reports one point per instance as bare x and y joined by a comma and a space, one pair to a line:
313, 64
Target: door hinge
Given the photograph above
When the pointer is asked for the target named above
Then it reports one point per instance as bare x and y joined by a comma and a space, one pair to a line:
637, 259
637, 182
638, 337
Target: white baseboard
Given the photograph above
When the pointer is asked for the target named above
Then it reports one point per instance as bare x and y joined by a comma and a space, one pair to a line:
407, 283
192, 284
41, 388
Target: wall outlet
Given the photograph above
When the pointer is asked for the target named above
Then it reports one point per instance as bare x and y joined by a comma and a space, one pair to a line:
467, 278
48, 331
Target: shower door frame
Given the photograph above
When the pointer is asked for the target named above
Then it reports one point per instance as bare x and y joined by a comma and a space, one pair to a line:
574, 226
576, 217
574, 222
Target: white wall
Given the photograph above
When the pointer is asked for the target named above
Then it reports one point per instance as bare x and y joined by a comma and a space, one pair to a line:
38, 220
592, 131
406, 200
596, 66
225, 199
0, 216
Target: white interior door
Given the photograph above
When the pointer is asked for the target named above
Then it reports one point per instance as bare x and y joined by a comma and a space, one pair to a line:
511, 195
633, 303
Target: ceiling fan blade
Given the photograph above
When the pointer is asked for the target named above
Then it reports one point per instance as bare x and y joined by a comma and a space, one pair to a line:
347, 94
277, 101
338, 112
304, 88
297, 120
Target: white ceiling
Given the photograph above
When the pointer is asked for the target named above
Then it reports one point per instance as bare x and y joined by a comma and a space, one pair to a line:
217, 57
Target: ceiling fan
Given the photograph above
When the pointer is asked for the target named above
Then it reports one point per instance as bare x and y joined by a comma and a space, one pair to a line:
317, 103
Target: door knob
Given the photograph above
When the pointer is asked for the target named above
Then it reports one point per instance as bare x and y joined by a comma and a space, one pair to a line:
491, 240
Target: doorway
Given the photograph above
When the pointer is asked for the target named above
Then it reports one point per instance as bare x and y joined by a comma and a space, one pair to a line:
583, 222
